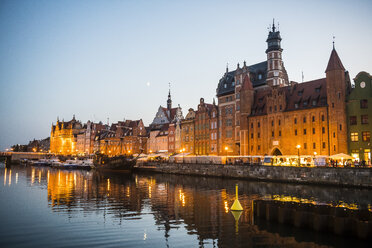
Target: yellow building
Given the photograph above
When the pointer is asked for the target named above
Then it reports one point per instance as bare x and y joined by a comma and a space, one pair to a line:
63, 137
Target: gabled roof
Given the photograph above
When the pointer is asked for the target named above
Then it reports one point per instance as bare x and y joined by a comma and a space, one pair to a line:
334, 62
226, 84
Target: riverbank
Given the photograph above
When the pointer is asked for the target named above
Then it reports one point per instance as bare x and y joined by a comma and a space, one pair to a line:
346, 177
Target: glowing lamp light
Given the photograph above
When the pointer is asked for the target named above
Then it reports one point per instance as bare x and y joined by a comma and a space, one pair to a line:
298, 146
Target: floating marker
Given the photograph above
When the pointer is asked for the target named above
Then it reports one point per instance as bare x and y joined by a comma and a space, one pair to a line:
236, 205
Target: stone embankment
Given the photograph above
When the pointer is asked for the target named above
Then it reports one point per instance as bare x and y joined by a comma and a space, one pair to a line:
353, 177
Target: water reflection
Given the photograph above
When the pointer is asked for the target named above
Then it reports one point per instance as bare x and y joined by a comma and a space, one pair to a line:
198, 205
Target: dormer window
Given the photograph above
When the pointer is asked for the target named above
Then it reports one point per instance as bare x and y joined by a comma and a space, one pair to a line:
314, 102
317, 90
296, 105
225, 86
259, 76
233, 83
305, 103
299, 93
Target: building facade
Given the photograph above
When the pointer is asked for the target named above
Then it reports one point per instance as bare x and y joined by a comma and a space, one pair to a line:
63, 136
359, 114
188, 132
262, 113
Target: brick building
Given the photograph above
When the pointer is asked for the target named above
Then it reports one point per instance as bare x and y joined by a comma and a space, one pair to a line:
261, 112
206, 129
188, 132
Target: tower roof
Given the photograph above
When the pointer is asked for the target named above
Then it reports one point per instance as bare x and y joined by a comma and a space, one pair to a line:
334, 62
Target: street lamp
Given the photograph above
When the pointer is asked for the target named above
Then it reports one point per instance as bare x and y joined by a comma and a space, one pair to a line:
298, 153
226, 149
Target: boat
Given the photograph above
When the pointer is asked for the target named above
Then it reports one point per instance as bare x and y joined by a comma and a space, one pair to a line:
121, 163
74, 164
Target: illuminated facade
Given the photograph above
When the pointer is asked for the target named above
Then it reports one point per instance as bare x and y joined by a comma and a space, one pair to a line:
262, 113
63, 137
124, 137
188, 132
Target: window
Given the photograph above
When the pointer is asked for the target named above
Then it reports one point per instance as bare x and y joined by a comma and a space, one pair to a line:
366, 136
251, 135
280, 133
280, 107
354, 137
258, 124
317, 90
304, 119
272, 133
322, 117
296, 132
238, 94
314, 145
252, 125
258, 135
270, 109
275, 108
258, 147
314, 102
333, 105
296, 105
364, 119
323, 129
340, 127
313, 119
272, 123
225, 86
304, 131
313, 130
228, 122
305, 103
279, 122
353, 120
364, 103
228, 133
334, 135
305, 145
323, 145
295, 120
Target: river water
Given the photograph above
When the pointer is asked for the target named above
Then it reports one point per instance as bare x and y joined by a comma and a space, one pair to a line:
45, 207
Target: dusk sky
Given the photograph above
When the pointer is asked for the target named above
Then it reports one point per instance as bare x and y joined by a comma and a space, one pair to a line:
115, 59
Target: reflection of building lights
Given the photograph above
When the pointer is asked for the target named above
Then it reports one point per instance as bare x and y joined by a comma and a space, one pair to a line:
48, 176
226, 207
10, 177
39, 177
32, 176
16, 177
5, 176
108, 184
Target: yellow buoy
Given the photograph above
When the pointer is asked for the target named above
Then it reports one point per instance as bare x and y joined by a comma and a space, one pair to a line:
236, 205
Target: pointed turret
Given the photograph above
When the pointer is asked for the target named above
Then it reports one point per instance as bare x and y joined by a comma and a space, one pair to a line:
334, 62
169, 101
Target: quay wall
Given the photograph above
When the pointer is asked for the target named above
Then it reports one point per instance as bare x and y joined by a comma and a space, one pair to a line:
355, 177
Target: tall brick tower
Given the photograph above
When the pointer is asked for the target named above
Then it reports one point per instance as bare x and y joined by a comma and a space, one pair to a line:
276, 73
247, 97
336, 100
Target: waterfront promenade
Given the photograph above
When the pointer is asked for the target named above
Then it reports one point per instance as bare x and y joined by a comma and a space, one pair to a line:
350, 177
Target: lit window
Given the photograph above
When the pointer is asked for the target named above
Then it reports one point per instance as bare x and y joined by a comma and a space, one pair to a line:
354, 137
366, 136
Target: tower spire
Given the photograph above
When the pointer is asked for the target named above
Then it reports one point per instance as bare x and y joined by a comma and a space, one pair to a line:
333, 42
273, 25
169, 101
